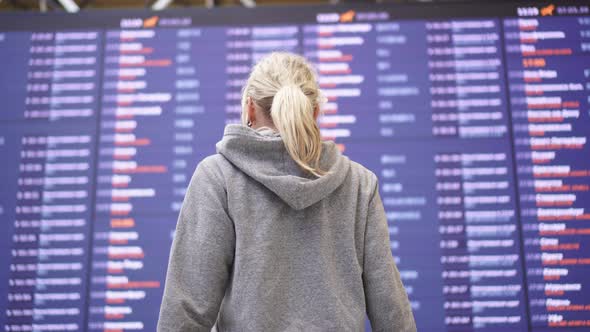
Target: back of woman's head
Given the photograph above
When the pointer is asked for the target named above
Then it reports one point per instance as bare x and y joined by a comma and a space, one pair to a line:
284, 87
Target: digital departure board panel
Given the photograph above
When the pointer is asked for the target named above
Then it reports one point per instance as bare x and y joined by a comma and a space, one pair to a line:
474, 117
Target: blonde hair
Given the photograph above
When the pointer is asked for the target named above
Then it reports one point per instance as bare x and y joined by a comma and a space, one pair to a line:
285, 88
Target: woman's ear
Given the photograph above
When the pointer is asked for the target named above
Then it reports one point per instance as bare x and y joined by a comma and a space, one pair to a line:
251, 111
316, 112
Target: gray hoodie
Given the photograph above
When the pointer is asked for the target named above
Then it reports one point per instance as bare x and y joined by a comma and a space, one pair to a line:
260, 246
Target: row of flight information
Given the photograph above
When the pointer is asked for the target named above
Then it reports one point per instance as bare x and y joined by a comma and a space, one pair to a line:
476, 119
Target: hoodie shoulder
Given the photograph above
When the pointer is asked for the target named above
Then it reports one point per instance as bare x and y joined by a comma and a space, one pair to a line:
214, 161
215, 165
367, 180
213, 170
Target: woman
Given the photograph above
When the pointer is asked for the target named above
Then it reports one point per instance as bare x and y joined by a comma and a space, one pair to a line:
279, 231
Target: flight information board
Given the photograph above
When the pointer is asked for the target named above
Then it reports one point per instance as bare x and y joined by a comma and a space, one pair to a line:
474, 117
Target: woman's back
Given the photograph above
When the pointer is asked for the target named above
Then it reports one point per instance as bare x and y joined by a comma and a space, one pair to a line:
284, 251
278, 231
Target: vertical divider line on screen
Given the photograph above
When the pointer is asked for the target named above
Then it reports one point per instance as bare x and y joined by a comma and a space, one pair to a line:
514, 173
102, 48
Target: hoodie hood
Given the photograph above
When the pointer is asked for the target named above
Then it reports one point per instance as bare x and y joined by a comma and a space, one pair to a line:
261, 154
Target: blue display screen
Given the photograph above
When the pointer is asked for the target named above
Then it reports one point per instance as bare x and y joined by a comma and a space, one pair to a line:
474, 117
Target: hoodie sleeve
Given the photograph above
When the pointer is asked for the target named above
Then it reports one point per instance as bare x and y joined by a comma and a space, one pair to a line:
387, 303
201, 257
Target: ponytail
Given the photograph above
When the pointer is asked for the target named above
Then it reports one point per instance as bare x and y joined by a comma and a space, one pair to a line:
293, 115
284, 86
